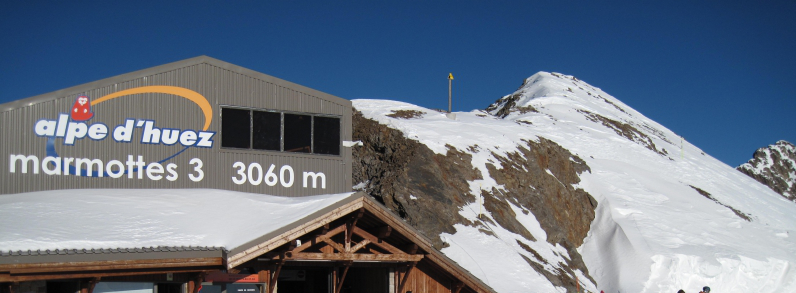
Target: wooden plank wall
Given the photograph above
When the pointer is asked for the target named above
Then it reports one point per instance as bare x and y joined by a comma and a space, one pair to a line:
424, 280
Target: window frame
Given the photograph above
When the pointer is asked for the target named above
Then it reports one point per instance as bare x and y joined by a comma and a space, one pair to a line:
221, 129
282, 113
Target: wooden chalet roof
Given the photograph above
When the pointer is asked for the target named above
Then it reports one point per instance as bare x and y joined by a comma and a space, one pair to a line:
369, 219
385, 235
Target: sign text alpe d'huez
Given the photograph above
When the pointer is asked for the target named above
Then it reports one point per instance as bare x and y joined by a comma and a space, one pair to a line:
76, 128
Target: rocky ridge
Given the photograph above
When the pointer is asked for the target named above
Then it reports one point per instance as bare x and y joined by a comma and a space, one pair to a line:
775, 167
429, 189
559, 186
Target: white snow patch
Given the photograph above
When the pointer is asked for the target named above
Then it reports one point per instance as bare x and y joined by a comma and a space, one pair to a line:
131, 218
361, 185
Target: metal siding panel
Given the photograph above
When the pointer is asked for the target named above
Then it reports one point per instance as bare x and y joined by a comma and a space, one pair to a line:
220, 86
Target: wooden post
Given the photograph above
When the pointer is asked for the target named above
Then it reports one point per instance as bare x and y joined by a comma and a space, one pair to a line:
406, 277
87, 286
93, 283
189, 286
350, 228
264, 276
272, 283
342, 277
324, 230
196, 283
334, 277
458, 287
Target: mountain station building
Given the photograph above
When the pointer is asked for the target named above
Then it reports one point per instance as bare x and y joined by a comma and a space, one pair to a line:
198, 176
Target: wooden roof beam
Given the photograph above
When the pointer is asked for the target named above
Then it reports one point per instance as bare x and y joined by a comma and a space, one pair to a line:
353, 222
458, 287
411, 248
321, 237
373, 239
335, 245
384, 232
359, 246
355, 257
295, 231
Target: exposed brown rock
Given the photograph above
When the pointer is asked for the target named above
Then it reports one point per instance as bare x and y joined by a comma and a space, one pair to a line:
406, 114
625, 130
772, 166
709, 196
429, 189
564, 212
398, 169
507, 105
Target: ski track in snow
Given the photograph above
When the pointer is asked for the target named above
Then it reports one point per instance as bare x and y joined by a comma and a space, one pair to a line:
652, 231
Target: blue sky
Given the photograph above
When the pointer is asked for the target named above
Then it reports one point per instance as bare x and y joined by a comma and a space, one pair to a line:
720, 73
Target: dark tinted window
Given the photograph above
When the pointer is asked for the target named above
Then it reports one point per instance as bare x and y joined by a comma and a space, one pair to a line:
235, 128
327, 135
298, 133
267, 130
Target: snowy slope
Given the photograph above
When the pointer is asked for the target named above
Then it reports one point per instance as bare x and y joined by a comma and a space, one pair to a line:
669, 216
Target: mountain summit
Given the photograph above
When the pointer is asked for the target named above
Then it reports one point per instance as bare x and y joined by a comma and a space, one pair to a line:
559, 187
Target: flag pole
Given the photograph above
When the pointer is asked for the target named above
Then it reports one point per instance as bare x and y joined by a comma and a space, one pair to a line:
450, 81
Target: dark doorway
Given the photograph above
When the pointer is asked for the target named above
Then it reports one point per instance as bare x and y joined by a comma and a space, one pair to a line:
304, 281
169, 288
62, 286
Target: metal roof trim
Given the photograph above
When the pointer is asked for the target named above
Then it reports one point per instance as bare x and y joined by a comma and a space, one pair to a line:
105, 254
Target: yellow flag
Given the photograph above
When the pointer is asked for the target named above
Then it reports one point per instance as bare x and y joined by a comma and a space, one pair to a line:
450, 76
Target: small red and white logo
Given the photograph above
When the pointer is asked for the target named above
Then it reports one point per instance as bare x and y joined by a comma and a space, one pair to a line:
81, 111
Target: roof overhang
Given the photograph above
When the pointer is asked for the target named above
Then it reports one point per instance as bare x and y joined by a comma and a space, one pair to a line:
381, 235
281, 245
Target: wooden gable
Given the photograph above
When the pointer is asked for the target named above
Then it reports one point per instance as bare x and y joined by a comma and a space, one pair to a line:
360, 233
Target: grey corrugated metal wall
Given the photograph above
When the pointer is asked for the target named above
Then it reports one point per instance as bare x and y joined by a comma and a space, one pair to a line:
221, 83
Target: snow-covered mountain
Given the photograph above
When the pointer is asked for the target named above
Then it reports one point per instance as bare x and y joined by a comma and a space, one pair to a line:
774, 166
560, 186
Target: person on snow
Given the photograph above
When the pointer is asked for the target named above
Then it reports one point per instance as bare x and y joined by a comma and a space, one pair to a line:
681, 291
705, 289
